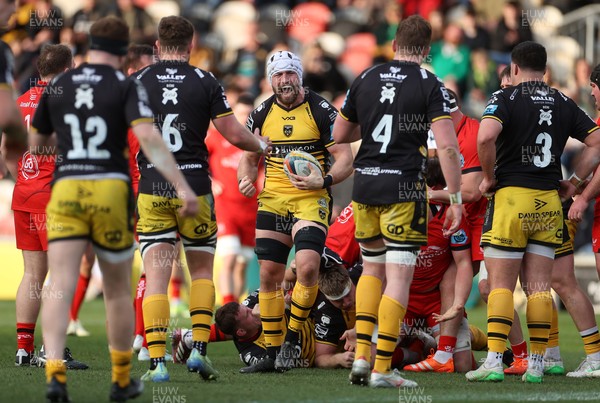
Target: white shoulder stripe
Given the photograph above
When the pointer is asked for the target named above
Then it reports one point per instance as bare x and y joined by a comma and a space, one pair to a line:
423, 73
197, 70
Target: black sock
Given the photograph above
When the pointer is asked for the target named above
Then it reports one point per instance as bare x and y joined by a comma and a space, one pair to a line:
200, 346
292, 336
155, 361
272, 352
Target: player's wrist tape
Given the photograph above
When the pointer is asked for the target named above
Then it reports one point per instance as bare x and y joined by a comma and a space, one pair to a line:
327, 181
262, 147
576, 180
456, 198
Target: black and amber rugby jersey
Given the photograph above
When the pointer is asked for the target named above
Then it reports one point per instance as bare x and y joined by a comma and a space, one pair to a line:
394, 104
536, 122
306, 127
90, 108
184, 99
254, 348
330, 321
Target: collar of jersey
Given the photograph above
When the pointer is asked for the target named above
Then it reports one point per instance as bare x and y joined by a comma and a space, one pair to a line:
305, 100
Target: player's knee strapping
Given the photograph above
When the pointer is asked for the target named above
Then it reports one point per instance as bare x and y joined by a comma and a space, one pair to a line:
271, 249
373, 255
405, 255
207, 245
147, 242
310, 237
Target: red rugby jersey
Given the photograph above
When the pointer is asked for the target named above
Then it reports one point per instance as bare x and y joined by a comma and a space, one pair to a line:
32, 187
469, 160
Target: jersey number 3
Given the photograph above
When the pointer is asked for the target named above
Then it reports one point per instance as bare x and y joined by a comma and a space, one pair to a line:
94, 125
544, 141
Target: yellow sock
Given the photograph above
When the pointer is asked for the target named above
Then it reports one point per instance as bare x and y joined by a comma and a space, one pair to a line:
303, 298
391, 314
272, 309
591, 340
121, 367
500, 317
56, 369
156, 321
368, 296
479, 339
553, 337
539, 317
202, 304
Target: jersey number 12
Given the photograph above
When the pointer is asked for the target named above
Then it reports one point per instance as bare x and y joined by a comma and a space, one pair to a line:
94, 125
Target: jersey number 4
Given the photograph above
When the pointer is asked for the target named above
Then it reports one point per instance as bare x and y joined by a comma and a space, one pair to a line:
94, 125
383, 132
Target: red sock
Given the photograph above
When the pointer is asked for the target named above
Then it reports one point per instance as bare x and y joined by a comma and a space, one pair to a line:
145, 342
228, 298
520, 350
447, 344
25, 336
82, 286
137, 305
175, 287
216, 334
473, 362
397, 357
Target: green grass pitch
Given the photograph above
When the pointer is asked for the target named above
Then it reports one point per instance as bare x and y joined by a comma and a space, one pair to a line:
302, 385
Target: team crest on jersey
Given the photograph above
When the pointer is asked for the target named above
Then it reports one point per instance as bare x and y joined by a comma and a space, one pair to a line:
545, 116
321, 202
326, 320
30, 168
320, 331
462, 160
490, 109
288, 130
387, 94
84, 96
459, 237
169, 94
322, 214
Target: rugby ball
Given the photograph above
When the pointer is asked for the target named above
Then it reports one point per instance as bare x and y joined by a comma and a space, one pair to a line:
298, 162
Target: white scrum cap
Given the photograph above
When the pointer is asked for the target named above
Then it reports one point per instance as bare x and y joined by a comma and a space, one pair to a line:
284, 61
